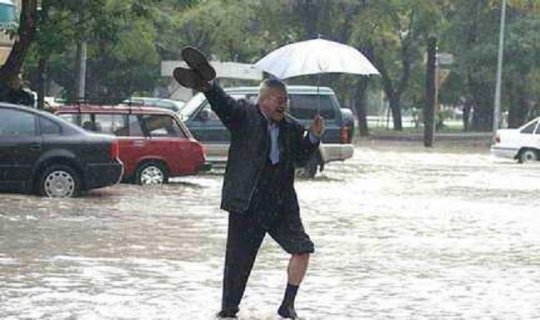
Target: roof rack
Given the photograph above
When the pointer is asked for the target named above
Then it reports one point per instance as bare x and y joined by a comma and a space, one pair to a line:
88, 101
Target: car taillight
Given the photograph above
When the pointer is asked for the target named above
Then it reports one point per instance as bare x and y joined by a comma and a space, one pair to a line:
497, 139
345, 135
199, 150
114, 150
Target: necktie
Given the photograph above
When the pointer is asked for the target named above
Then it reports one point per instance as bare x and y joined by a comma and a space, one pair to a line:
273, 132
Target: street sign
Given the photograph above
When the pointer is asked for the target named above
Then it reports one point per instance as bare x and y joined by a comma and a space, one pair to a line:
445, 58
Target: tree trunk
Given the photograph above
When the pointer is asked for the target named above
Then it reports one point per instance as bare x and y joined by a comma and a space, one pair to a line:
393, 94
395, 108
483, 113
483, 105
431, 92
482, 119
519, 110
42, 65
466, 114
360, 106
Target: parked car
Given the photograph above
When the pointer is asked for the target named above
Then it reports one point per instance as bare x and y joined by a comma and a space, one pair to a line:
51, 104
169, 104
304, 103
42, 153
154, 143
522, 144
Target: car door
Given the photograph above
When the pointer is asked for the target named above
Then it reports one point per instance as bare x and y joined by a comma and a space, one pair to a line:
20, 146
528, 136
167, 142
132, 143
536, 136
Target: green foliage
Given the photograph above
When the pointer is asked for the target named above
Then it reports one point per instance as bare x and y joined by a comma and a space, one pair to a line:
472, 35
128, 38
229, 30
120, 35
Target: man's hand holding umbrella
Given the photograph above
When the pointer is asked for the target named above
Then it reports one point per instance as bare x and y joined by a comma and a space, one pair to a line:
317, 127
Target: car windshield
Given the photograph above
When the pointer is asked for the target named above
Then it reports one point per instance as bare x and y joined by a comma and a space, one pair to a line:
191, 106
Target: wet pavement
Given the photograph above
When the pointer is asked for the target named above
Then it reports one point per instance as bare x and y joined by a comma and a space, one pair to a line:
400, 233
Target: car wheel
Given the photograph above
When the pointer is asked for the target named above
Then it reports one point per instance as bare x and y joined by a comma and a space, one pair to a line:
151, 173
310, 169
59, 181
528, 155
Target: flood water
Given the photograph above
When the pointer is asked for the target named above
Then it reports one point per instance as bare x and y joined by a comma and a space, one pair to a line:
400, 233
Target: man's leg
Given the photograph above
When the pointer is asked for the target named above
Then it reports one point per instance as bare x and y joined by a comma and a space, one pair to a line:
291, 236
298, 265
244, 239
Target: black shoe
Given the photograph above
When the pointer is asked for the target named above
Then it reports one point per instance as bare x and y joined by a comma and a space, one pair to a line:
225, 314
198, 62
190, 79
287, 312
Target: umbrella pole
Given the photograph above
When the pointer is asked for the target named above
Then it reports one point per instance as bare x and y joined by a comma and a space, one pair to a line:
318, 95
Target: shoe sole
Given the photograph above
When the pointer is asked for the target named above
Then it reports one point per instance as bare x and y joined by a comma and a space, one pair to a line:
198, 62
188, 79
184, 77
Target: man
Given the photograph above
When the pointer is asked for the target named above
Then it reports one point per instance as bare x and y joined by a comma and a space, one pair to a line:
258, 192
18, 94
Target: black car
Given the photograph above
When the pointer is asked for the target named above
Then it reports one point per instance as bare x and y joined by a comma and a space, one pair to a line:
39, 152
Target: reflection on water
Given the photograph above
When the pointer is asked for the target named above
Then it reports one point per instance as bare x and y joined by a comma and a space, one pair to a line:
400, 234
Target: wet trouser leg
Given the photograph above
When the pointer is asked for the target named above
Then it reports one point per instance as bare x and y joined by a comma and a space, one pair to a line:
244, 238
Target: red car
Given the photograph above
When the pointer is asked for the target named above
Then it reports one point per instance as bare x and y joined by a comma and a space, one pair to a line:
154, 143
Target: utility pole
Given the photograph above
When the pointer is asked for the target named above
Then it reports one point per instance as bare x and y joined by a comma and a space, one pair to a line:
81, 60
497, 104
431, 92
42, 61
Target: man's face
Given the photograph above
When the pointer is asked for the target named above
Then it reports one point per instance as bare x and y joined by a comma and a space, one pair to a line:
274, 104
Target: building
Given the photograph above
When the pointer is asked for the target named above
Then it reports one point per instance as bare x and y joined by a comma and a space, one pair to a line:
227, 73
6, 14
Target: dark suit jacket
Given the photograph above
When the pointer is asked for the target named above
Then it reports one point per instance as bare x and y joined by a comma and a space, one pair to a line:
248, 152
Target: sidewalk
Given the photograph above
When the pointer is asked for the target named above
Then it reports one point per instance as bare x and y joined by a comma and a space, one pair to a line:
481, 140
407, 136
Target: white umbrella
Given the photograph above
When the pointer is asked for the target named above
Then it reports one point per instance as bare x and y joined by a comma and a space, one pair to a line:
315, 57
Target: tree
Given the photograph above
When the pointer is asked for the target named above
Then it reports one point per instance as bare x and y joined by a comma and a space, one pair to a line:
336, 20
394, 34
473, 35
228, 30
121, 54
522, 87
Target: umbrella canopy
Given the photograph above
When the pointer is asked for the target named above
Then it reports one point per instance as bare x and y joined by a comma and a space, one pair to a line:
315, 57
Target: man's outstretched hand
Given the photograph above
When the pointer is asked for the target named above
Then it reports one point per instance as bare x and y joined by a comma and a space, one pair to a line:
317, 127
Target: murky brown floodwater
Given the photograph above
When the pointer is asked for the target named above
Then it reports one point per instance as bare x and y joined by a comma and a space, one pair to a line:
401, 233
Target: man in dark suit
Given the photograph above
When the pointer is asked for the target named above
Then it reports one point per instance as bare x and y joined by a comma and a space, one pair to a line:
258, 192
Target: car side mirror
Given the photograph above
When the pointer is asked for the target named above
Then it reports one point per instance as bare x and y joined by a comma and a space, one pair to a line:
204, 115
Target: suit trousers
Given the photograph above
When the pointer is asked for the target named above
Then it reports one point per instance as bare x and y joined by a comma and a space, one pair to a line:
274, 210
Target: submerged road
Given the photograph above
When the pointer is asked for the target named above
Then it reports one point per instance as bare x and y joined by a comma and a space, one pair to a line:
400, 233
